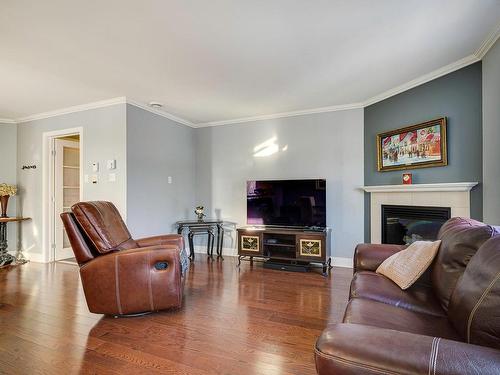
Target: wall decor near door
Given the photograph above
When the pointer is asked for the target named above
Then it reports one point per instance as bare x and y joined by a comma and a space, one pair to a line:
417, 146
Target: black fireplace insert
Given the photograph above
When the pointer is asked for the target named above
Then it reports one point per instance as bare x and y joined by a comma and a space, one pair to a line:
406, 224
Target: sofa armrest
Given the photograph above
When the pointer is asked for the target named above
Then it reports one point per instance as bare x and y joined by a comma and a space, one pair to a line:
167, 239
359, 349
367, 257
133, 281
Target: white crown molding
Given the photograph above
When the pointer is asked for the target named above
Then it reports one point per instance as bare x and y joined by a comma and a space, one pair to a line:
6, 121
488, 42
73, 109
161, 113
462, 63
468, 60
448, 186
334, 108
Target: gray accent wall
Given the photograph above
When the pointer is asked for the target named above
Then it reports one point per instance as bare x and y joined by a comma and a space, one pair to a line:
458, 97
104, 131
324, 145
8, 168
157, 148
491, 135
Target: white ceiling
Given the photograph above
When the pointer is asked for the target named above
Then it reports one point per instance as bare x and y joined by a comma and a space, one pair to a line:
217, 60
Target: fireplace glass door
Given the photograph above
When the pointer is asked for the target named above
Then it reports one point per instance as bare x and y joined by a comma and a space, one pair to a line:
403, 225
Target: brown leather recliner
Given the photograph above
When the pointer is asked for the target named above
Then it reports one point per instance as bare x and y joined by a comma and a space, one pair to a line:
448, 322
120, 275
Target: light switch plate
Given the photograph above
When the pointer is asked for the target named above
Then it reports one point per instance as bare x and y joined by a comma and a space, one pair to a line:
95, 167
111, 164
169, 179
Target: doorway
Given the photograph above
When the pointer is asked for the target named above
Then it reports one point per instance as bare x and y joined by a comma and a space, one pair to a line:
63, 185
66, 190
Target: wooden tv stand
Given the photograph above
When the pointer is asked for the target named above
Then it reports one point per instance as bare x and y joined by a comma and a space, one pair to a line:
288, 245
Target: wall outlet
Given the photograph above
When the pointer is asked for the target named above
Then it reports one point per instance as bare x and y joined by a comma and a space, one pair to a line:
169, 179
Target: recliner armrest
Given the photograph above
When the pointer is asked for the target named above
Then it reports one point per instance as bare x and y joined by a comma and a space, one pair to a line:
367, 257
167, 239
133, 281
359, 349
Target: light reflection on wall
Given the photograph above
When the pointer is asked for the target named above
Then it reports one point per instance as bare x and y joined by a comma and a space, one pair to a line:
268, 148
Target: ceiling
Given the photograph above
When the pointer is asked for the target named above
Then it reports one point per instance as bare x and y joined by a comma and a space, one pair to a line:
218, 60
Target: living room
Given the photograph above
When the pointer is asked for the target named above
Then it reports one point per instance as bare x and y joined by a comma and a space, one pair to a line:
254, 129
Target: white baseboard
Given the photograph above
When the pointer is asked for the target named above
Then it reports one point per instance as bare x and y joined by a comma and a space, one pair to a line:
32, 257
229, 251
336, 261
342, 262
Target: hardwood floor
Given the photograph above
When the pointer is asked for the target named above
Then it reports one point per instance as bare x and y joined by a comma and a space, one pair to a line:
233, 321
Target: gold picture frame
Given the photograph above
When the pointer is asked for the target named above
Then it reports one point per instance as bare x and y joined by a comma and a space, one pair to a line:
417, 146
250, 243
310, 248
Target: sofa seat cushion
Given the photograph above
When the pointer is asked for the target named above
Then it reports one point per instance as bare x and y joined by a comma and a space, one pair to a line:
373, 286
382, 315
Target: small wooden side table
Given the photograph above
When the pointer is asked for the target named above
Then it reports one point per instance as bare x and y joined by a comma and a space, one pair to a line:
204, 226
5, 257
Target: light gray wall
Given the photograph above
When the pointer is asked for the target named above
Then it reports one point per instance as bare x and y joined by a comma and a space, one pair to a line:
326, 145
458, 97
104, 137
157, 148
491, 135
8, 168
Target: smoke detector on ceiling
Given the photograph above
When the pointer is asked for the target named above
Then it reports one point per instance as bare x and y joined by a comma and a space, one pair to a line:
155, 105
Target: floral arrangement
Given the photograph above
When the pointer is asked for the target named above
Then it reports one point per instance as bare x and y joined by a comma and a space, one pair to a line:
6, 189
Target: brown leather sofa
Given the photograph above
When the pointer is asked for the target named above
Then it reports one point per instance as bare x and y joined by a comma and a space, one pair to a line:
120, 275
446, 323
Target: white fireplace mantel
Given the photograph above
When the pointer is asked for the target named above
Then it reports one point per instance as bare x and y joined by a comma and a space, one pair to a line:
448, 186
455, 195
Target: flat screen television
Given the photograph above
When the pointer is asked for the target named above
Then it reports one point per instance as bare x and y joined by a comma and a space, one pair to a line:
291, 203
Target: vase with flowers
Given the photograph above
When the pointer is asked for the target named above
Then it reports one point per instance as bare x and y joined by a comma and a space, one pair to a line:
6, 191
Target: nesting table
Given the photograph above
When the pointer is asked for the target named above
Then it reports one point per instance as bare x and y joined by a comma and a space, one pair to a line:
5, 257
211, 227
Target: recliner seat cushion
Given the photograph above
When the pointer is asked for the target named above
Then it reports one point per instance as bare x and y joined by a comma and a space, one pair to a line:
382, 315
460, 239
103, 225
475, 303
418, 298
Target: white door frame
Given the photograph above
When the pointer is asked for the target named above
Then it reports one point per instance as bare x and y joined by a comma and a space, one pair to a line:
48, 211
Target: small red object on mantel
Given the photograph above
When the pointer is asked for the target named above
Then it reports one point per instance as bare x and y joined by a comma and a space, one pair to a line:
407, 178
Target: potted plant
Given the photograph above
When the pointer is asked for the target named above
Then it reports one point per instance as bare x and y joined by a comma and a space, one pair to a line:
6, 191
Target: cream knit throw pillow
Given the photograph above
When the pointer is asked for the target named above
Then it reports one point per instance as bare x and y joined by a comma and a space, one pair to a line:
406, 266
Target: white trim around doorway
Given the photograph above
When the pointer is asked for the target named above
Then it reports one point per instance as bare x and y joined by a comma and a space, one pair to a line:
48, 218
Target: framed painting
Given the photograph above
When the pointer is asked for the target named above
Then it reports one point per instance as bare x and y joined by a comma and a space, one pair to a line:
417, 146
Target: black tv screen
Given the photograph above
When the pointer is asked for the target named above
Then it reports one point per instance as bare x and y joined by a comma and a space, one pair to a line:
297, 203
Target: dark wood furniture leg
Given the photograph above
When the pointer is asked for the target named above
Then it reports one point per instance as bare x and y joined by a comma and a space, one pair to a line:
220, 240
191, 245
210, 243
5, 257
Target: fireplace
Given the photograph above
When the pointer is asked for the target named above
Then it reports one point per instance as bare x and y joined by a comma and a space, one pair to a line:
406, 224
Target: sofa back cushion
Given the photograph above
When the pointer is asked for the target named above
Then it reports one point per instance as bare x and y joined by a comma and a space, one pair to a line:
103, 225
475, 303
460, 239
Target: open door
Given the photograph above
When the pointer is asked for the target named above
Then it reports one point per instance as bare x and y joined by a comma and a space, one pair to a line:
66, 189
